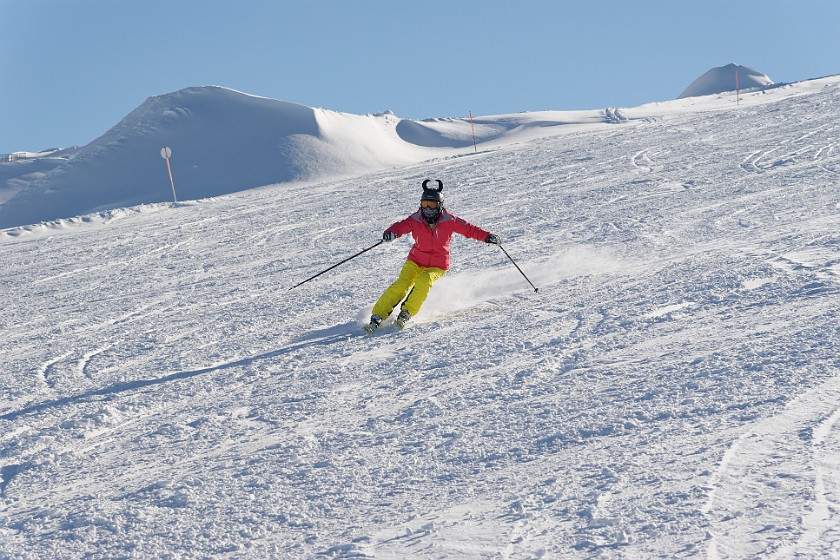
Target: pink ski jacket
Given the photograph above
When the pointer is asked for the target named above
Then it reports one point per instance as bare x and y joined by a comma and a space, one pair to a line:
431, 242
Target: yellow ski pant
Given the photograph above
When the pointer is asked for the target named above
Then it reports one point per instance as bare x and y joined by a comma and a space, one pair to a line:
414, 280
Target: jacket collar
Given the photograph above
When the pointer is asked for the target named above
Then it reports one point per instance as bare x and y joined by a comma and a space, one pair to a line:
444, 217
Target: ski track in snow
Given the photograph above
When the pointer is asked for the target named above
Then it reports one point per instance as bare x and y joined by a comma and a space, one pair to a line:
789, 462
671, 392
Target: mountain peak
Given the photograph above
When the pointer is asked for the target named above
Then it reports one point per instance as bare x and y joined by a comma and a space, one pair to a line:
726, 78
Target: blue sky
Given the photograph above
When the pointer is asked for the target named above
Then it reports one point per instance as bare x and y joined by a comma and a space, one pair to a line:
72, 69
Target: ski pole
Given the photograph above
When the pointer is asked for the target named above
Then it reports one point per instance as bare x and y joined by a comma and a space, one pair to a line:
337, 264
519, 269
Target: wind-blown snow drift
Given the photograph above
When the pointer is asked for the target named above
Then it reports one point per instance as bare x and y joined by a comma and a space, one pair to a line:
225, 141
222, 141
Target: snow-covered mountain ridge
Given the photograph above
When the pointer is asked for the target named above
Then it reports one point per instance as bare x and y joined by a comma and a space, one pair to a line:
671, 392
225, 141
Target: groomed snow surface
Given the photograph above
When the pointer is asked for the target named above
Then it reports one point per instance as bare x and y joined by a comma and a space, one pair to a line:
671, 391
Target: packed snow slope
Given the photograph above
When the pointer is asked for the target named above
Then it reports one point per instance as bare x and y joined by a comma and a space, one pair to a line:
671, 391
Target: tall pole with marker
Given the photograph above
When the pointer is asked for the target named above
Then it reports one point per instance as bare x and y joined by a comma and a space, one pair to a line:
475, 144
737, 88
166, 153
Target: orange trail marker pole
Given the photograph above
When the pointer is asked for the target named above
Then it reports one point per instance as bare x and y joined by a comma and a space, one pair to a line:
475, 145
166, 153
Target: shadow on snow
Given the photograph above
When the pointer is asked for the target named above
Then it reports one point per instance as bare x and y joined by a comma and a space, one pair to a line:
324, 337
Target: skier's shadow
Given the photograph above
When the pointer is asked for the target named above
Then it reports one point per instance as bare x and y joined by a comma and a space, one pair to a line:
321, 337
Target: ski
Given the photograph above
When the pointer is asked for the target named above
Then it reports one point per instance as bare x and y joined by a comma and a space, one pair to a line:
383, 329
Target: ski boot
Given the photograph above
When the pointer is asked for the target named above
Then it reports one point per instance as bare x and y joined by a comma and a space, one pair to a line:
375, 321
402, 319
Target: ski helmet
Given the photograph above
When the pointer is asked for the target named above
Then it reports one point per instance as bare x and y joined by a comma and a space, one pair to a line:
434, 195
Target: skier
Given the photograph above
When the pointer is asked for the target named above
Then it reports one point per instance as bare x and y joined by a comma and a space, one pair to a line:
431, 227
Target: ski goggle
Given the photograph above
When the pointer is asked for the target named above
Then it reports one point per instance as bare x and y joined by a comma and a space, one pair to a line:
429, 204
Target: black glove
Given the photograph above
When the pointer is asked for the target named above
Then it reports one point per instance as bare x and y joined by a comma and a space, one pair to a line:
389, 236
494, 239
